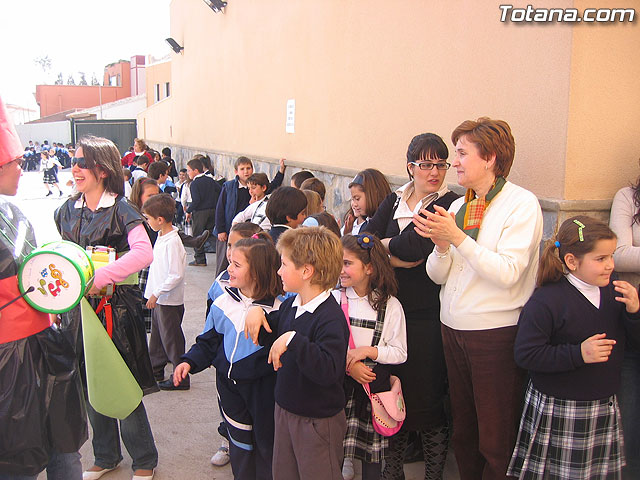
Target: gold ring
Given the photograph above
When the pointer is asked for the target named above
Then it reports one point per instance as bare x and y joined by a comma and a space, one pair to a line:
430, 230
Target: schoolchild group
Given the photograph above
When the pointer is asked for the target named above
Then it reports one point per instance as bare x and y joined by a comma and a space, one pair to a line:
444, 295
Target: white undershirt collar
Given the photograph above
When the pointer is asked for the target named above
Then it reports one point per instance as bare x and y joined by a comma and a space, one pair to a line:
591, 292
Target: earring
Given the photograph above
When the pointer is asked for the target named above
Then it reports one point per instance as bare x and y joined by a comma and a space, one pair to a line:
486, 166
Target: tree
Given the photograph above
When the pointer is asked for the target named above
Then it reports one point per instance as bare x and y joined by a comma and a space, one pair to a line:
59, 81
70, 80
94, 80
44, 63
83, 80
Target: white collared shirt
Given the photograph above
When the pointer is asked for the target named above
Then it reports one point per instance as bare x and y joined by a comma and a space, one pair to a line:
107, 199
403, 214
591, 292
392, 345
311, 305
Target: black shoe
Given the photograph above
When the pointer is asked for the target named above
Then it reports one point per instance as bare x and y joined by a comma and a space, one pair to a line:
202, 239
168, 385
196, 264
60, 193
50, 193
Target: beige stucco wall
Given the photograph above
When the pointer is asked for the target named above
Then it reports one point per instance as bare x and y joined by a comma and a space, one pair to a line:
157, 73
366, 78
604, 108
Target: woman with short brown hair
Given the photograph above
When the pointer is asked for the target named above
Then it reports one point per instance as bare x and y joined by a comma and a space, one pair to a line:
486, 260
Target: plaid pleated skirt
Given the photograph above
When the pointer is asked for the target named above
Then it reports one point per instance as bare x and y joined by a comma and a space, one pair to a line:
568, 439
50, 176
143, 276
362, 441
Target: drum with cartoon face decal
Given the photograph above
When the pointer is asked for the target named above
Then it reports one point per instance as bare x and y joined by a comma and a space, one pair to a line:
60, 272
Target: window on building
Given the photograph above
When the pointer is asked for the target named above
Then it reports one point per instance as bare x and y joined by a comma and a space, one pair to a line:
113, 81
167, 90
157, 92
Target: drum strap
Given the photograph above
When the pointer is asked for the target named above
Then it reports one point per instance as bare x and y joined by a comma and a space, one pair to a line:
105, 302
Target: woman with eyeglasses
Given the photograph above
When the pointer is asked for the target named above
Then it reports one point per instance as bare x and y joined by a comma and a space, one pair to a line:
100, 215
423, 376
486, 259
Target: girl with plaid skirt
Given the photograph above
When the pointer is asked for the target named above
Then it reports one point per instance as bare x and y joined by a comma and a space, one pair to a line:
571, 338
49, 165
379, 333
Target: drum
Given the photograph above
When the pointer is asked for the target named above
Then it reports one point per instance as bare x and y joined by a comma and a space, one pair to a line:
60, 272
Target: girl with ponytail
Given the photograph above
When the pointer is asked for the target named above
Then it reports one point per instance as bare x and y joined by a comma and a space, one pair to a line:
571, 337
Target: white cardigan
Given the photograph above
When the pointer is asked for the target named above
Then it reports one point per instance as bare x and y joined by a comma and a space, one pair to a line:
627, 255
488, 281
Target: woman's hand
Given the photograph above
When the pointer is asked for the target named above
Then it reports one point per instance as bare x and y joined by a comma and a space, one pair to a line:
361, 373
629, 295
440, 227
357, 354
180, 372
94, 291
397, 263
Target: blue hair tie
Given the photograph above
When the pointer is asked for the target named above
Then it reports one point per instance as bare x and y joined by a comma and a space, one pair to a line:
557, 244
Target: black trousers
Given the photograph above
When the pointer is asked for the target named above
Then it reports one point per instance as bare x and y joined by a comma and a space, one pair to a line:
202, 220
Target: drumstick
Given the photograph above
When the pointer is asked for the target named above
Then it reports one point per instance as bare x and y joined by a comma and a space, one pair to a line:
28, 290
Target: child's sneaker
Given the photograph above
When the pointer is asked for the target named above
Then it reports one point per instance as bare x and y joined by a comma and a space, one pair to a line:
221, 457
347, 469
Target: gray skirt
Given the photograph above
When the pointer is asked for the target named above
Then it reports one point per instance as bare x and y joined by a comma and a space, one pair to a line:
568, 439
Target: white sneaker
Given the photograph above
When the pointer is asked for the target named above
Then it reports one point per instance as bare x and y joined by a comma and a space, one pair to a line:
221, 457
347, 469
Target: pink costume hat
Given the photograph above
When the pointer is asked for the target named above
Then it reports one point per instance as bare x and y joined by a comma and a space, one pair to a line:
10, 144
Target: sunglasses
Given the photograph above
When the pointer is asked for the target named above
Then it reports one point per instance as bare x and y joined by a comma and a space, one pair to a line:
81, 162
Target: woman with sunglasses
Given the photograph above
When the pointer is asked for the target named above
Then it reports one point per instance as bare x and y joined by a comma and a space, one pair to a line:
423, 376
100, 215
486, 259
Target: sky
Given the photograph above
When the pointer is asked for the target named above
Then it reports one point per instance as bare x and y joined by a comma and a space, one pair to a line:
78, 36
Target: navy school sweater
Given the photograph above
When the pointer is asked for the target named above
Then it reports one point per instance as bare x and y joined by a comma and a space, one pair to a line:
553, 324
309, 383
204, 194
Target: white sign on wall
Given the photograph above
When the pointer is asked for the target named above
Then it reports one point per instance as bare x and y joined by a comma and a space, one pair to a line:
291, 116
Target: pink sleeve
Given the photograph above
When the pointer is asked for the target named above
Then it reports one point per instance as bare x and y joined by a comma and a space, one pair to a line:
139, 256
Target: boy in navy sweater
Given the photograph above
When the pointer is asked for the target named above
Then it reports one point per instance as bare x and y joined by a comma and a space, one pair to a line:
202, 209
308, 340
234, 198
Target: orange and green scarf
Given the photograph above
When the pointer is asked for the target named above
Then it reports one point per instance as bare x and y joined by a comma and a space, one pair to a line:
469, 217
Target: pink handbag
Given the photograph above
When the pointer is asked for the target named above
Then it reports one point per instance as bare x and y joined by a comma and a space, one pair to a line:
388, 410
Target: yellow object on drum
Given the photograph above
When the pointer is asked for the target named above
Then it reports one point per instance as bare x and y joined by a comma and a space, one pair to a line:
101, 257
61, 273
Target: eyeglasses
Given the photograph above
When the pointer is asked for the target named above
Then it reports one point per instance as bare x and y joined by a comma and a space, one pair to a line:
81, 162
430, 165
19, 161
